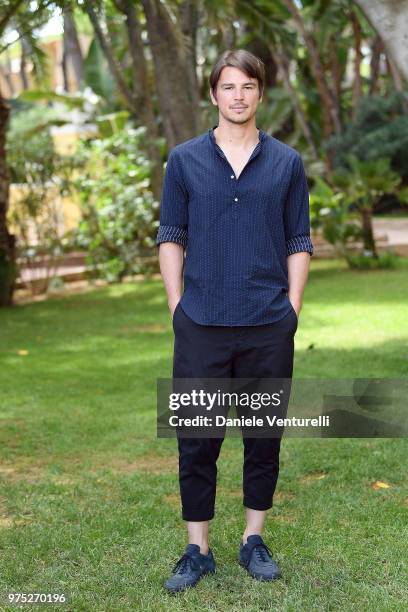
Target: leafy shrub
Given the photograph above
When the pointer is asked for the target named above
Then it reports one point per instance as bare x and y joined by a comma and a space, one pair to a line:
42, 175
379, 130
330, 211
117, 227
366, 261
344, 210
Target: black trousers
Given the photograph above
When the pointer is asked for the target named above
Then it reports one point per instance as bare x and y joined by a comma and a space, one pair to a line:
262, 351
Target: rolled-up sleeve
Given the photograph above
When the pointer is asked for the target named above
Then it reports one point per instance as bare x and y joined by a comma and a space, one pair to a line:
173, 205
296, 212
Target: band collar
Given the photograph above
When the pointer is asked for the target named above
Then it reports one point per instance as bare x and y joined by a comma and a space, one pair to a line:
262, 135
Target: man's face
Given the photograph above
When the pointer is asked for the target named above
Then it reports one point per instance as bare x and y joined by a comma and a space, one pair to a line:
237, 95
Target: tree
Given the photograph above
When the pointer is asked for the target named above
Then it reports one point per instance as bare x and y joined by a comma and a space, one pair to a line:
172, 44
22, 15
176, 90
136, 92
362, 186
72, 49
389, 18
7, 240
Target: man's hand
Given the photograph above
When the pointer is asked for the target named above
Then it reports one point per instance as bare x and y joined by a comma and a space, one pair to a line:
171, 258
298, 269
173, 305
296, 303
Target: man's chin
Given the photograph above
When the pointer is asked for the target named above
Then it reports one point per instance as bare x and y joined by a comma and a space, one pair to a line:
239, 120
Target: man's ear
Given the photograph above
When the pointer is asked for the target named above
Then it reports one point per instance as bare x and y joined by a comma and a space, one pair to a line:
213, 97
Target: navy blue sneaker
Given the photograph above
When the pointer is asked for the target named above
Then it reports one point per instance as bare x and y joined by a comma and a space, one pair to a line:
190, 568
256, 558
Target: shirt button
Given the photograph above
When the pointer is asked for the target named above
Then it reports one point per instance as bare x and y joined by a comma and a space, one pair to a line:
232, 176
236, 199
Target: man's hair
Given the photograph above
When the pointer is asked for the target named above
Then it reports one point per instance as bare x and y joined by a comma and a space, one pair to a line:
245, 61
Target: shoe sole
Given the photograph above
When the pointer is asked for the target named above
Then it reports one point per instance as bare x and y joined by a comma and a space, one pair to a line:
261, 578
189, 586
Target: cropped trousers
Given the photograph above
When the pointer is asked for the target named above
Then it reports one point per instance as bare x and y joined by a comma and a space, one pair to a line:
215, 351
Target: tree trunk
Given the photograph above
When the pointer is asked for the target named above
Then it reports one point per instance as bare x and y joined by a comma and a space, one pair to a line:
64, 68
72, 49
283, 64
179, 114
189, 24
376, 49
8, 271
389, 18
331, 114
395, 75
358, 56
138, 99
336, 69
367, 229
143, 94
25, 52
8, 74
113, 64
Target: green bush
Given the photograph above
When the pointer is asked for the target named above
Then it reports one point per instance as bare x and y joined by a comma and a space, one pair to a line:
366, 261
379, 130
41, 172
344, 210
117, 227
31, 155
330, 212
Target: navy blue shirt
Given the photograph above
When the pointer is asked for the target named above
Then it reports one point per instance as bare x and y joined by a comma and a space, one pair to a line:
237, 232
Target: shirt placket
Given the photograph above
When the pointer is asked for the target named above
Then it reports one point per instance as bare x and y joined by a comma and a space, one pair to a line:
235, 195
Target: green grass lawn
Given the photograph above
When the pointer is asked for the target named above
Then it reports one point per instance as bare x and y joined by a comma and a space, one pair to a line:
89, 496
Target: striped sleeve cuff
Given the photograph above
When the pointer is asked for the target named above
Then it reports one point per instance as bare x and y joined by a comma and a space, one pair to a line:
298, 244
168, 233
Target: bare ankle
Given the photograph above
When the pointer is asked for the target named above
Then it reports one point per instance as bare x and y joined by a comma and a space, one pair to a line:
247, 534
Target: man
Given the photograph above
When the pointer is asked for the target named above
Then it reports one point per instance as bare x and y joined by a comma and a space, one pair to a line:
236, 200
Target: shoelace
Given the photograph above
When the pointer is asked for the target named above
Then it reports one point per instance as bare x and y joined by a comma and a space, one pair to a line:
183, 562
261, 550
